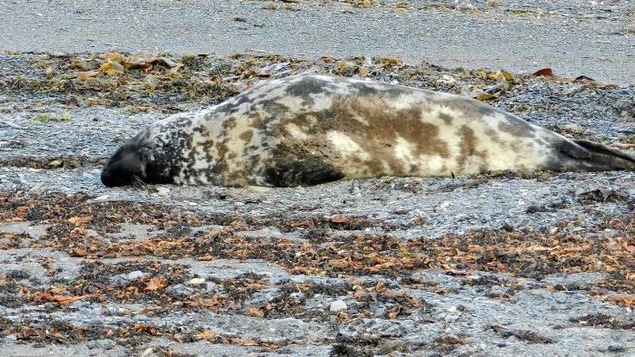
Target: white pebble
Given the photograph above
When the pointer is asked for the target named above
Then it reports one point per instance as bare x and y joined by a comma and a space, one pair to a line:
338, 305
196, 281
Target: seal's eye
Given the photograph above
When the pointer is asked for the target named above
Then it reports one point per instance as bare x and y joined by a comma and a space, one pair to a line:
126, 166
146, 153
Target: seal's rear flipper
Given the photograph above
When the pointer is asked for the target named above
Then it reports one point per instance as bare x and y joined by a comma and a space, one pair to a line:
596, 156
301, 173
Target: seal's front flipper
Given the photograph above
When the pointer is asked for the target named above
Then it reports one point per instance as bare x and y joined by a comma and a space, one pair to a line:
301, 173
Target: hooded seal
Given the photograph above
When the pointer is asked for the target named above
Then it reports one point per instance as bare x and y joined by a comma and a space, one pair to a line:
312, 129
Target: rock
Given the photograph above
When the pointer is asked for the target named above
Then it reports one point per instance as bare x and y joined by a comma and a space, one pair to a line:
337, 305
196, 281
135, 275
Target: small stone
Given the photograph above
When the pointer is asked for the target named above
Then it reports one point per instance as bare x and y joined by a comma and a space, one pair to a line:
196, 281
163, 191
148, 352
135, 275
299, 297
338, 305
338, 218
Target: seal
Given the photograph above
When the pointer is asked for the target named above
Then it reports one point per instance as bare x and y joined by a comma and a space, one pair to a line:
313, 129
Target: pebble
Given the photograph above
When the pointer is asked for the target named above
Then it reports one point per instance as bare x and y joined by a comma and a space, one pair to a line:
163, 191
337, 305
196, 281
301, 297
135, 275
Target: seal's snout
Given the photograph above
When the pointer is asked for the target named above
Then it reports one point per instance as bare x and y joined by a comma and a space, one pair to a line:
124, 167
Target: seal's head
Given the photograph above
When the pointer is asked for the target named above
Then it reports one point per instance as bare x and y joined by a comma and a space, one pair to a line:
135, 162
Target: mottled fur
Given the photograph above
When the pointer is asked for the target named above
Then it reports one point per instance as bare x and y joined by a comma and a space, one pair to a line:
312, 129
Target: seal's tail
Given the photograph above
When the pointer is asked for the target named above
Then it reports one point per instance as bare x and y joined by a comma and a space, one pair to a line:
599, 157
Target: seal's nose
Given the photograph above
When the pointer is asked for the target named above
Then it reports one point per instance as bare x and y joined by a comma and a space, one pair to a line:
123, 168
111, 179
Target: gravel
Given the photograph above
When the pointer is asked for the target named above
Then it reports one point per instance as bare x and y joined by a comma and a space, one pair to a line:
574, 38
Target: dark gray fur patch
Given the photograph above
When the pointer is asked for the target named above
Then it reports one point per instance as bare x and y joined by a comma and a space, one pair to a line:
231, 107
273, 111
301, 173
305, 87
274, 107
